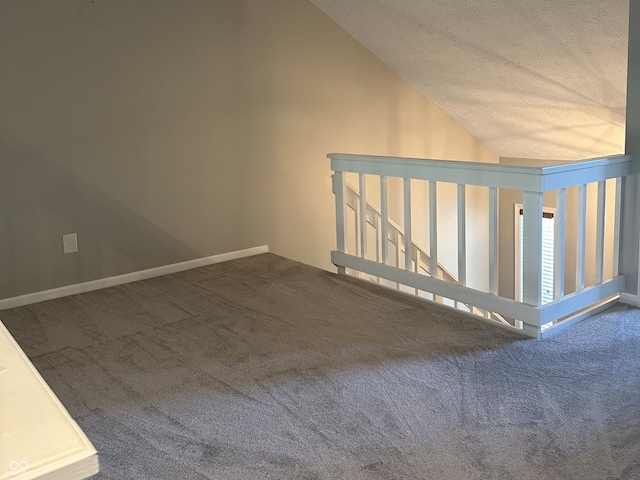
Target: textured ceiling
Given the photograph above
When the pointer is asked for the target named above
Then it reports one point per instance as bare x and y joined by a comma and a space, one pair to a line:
529, 78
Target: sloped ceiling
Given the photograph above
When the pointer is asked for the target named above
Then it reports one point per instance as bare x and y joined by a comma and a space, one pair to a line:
539, 79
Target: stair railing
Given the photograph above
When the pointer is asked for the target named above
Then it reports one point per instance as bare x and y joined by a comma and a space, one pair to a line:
591, 231
419, 255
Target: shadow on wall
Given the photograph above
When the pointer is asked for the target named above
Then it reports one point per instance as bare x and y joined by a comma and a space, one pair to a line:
41, 200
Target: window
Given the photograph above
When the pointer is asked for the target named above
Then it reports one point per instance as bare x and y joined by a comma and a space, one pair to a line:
548, 241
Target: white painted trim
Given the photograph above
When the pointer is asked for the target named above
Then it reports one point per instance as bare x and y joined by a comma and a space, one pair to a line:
629, 299
464, 313
470, 296
65, 291
532, 179
579, 316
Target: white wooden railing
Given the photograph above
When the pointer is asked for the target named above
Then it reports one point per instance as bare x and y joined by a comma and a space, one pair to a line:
376, 255
420, 258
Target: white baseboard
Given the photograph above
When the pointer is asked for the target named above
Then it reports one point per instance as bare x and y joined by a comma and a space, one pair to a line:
44, 295
629, 299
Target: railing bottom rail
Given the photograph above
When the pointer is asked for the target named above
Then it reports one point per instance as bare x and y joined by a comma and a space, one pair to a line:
536, 321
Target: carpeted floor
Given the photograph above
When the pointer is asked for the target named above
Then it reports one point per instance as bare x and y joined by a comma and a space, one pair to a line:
264, 368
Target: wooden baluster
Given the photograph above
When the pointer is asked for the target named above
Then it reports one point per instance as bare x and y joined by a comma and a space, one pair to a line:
559, 243
433, 229
493, 240
462, 236
581, 237
384, 212
407, 224
602, 197
363, 216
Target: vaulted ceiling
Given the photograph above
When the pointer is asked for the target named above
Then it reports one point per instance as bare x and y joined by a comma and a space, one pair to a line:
539, 79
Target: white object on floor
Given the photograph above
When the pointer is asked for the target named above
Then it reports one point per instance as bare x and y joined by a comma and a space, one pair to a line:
38, 437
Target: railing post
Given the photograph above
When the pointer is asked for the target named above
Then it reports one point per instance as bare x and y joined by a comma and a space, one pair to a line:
532, 241
617, 227
629, 238
338, 191
630, 225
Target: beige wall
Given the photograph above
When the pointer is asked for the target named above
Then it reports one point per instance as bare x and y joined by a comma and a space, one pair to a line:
166, 131
358, 106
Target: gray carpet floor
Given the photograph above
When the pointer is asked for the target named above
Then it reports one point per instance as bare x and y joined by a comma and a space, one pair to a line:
264, 368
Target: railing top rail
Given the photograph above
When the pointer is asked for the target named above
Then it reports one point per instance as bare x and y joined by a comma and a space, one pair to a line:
529, 178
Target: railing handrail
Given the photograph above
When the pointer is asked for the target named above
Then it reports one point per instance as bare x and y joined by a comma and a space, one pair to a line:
519, 177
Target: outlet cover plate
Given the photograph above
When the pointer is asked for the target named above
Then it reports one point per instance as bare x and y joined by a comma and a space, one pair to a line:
70, 243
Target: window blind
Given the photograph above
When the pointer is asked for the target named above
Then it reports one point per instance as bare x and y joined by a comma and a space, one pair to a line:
548, 240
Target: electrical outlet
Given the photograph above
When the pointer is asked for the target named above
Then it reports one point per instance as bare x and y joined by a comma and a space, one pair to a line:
70, 243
